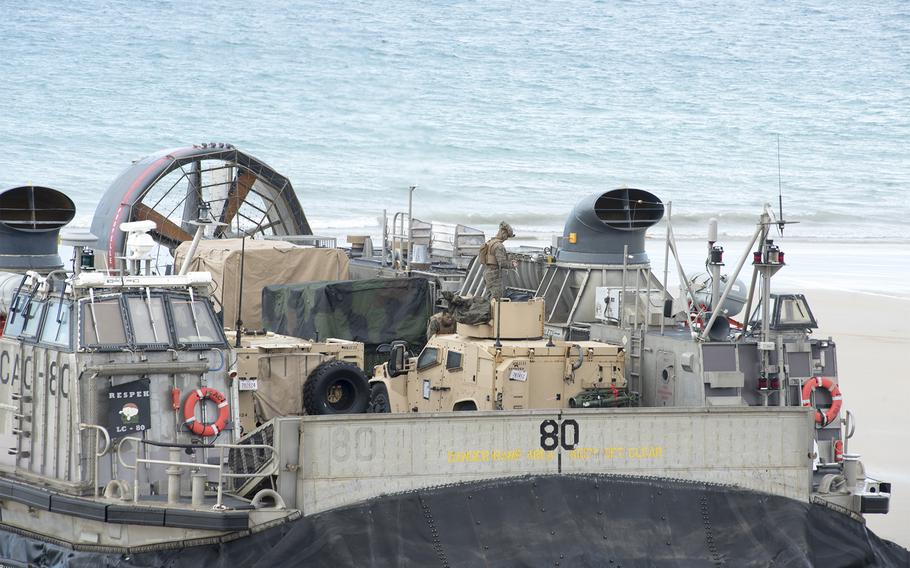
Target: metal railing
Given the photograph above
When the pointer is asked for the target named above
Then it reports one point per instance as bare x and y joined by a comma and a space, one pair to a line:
174, 474
100, 431
315, 241
401, 238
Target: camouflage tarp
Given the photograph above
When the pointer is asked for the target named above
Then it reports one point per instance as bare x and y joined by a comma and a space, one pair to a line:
472, 311
374, 311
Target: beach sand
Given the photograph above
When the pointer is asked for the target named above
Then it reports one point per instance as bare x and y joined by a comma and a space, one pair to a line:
872, 334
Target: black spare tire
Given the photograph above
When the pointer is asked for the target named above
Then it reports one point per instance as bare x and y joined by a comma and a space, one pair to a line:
336, 387
379, 399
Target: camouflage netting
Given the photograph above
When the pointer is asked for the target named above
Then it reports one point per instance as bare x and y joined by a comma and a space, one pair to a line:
472, 311
374, 311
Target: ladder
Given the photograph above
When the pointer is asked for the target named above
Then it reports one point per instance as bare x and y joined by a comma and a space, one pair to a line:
638, 326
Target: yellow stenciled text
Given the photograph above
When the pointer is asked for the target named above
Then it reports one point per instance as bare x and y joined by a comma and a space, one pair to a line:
484, 456
579, 453
583, 453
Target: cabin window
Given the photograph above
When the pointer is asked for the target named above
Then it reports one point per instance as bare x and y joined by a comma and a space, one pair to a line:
149, 320
453, 360
31, 319
195, 323
16, 318
56, 330
428, 357
794, 311
103, 323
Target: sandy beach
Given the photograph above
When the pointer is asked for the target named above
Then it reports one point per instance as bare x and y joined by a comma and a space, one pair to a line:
872, 333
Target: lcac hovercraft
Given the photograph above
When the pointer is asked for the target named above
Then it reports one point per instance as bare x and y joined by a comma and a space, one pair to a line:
506, 487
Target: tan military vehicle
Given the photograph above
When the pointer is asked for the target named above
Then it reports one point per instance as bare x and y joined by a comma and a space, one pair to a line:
505, 364
279, 375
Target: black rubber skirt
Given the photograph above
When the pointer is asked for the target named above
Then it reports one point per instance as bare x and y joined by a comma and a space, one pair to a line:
559, 521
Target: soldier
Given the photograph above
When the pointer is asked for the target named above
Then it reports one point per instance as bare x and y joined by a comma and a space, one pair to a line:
441, 323
494, 256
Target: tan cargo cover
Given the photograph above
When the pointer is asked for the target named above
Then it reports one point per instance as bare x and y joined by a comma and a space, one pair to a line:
266, 263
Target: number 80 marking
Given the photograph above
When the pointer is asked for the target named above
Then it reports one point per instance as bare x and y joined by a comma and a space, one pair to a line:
554, 434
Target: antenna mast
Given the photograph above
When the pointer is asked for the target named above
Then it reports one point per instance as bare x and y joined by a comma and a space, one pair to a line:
780, 193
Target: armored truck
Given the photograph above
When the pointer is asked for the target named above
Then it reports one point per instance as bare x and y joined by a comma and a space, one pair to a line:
506, 364
278, 375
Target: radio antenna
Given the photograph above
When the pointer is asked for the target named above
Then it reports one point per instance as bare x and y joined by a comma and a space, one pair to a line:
780, 193
244, 235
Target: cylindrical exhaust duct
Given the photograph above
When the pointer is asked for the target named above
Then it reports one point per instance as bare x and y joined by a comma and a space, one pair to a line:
601, 225
30, 220
9, 285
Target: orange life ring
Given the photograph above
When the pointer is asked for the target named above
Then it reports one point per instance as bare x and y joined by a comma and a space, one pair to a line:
189, 412
836, 399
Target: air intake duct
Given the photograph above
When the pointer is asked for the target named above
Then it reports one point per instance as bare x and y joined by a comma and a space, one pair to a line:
30, 220
603, 224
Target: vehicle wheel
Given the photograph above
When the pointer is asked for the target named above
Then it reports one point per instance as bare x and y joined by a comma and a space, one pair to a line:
336, 387
379, 399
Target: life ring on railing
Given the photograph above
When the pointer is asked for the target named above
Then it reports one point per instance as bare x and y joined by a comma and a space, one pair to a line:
830, 415
189, 412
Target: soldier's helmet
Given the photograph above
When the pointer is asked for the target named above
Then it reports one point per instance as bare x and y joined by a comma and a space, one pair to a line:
505, 230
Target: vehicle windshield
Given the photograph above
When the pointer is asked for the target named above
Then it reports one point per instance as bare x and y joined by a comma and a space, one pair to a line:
428, 357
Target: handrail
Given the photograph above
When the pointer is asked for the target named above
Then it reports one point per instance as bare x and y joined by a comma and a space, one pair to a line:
193, 465
399, 238
849, 422
101, 430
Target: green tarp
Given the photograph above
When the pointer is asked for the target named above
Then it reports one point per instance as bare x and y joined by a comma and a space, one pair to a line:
374, 311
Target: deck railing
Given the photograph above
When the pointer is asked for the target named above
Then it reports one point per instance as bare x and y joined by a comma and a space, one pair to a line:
175, 465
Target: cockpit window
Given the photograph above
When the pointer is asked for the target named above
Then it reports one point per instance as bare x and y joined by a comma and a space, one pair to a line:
194, 322
103, 322
32, 317
793, 311
56, 330
146, 320
787, 312
149, 320
16, 319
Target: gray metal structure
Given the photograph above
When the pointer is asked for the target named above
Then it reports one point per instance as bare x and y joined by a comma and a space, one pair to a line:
609, 228
30, 220
684, 353
169, 186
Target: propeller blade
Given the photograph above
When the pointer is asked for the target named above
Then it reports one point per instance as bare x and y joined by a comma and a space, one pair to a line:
245, 181
193, 192
166, 228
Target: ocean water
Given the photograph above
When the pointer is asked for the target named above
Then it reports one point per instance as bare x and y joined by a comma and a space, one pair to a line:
495, 110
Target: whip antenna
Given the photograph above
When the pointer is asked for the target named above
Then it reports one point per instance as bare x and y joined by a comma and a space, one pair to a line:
780, 193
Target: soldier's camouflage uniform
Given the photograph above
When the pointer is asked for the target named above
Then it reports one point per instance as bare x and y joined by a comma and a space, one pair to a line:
495, 258
441, 323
